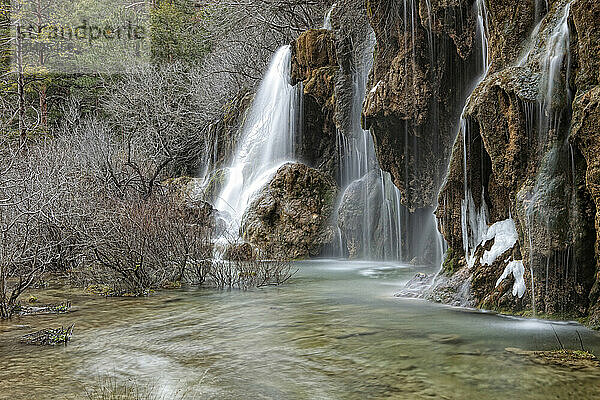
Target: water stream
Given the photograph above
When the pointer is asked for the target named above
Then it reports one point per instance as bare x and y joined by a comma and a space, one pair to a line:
267, 138
336, 332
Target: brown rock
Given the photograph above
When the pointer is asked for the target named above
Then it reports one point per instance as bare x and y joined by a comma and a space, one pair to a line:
290, 217
314, 64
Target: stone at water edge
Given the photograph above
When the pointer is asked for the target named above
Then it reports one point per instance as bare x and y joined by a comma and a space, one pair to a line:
240, 252
363, 195
290, 217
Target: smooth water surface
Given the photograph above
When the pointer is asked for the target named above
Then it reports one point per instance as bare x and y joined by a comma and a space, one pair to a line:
334, 332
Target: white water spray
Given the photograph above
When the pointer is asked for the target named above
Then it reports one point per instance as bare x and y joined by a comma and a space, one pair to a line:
267, 139
358, 159
327, 20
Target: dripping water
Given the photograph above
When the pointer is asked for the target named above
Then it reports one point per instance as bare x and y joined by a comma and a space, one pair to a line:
358, 162
554, 91
474, 221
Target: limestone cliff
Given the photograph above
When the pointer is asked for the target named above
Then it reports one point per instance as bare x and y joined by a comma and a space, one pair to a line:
314, 65
424, 54
525, 151
523, 147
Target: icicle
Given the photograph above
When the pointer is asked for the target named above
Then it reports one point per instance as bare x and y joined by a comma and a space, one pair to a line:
517, 269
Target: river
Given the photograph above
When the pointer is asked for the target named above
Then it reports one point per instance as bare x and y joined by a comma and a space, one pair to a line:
335, 331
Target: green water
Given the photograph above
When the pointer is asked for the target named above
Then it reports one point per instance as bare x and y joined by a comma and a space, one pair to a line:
334, 332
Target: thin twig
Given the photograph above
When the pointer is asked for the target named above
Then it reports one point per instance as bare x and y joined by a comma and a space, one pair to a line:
557, 338
580, 340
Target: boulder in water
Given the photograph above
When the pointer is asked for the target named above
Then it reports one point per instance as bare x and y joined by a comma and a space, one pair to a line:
289, 218
358, 229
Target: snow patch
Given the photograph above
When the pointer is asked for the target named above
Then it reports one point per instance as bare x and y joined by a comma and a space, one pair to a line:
505, 236
517, 270
374, 89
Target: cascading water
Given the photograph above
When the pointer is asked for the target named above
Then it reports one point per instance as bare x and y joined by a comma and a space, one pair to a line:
267, 139
474, 220
553, 53
327, 20
547, 52
359, 164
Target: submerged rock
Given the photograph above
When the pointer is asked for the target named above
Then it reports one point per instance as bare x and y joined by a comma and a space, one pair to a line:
290, 217
571, 359
417, 286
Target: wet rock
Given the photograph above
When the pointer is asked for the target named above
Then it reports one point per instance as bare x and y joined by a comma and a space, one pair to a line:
314, 64
417, 286
453, 290
510, 23
190, 193
224, 131
414, 97
453, 18
290, 217
361, 197
520, 163
586, 119
571, 359
239, 252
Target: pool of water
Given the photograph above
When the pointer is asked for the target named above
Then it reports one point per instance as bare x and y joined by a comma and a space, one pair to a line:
334, 332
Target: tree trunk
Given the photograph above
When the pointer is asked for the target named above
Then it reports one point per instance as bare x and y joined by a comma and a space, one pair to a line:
21, 86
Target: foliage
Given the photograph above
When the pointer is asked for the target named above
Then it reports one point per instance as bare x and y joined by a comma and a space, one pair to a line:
83, 154
451, 262
176, 34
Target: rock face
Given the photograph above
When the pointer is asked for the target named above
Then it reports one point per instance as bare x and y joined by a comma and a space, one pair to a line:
290, 217
239, 252
225, 130
527, 148
531, 154
416, 90
314, 64
586, 119
194, 209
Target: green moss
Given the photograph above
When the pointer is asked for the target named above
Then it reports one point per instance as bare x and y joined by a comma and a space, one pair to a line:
450, 265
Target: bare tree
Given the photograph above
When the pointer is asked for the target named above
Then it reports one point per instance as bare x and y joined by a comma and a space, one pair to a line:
29, 190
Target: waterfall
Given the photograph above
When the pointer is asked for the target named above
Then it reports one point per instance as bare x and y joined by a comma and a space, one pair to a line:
548, 52
358, 161
553, 47
474, 221
267, 138
482, 29
327, 20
